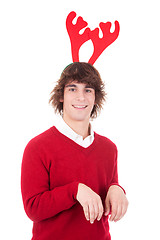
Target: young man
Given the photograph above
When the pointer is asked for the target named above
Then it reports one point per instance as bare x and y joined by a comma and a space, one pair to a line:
69, 173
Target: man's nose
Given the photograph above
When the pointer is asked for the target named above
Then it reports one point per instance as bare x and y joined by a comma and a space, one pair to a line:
80, 96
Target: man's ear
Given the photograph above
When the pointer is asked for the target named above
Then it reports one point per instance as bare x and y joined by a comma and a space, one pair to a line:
61, 100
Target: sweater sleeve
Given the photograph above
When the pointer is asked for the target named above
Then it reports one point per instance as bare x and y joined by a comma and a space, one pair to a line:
39, 201
114, 179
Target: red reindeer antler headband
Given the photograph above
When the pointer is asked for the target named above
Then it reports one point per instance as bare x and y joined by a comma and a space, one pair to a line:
77, 39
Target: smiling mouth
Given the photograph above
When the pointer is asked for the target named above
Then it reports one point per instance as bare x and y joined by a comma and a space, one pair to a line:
79, 106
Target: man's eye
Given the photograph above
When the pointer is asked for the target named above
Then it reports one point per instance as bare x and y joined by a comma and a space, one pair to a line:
72, 89
88, 90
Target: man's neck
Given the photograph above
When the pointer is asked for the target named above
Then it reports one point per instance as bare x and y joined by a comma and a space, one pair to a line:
80, 127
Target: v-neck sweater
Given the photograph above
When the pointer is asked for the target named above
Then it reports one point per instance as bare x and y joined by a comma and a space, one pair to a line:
52, 167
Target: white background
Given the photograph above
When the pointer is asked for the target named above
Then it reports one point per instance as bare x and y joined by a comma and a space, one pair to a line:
34, 49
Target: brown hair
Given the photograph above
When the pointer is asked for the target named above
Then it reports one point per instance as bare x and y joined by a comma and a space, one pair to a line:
80, 72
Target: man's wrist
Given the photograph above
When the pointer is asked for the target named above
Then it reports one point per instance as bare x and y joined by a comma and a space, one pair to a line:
116, 185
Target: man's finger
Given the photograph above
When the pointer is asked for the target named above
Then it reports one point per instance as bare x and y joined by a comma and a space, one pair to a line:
91, 213
118, 214
86, 212
124, 210
96, 209
107, 208
100, 213
121, 211
113, 211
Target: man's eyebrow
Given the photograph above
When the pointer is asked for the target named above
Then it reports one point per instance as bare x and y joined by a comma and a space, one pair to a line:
71, 85
88, 86
74, 85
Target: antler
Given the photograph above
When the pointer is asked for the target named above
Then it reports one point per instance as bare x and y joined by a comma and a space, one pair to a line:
100, 44
73, 31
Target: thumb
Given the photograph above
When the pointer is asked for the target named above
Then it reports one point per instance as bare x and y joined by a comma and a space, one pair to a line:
107, 207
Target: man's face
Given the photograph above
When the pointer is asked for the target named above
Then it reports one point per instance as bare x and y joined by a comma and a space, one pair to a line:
78, 101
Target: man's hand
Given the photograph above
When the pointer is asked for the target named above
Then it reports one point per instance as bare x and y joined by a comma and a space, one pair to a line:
116, 203
91, 203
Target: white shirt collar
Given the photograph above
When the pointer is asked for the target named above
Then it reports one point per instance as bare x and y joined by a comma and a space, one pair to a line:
68, 132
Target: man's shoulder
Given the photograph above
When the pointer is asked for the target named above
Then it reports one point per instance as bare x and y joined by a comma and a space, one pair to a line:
103, 140
41, 139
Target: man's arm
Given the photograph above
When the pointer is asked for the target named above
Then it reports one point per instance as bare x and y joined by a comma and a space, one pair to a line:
91, 203
40, 202
116, 202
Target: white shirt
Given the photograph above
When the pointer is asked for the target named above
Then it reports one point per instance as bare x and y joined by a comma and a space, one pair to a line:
68, 132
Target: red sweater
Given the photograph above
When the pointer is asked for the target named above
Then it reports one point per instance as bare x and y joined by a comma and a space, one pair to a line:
52, 167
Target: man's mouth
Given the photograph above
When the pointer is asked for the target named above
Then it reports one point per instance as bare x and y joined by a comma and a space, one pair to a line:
80, 106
